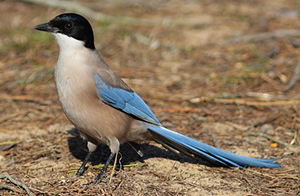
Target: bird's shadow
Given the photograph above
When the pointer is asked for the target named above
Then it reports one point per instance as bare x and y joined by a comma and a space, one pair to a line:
78, 148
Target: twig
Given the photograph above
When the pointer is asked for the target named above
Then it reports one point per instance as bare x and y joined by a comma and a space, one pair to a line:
29, 98
169, 173
256, 141
20, 98
114, 167
265, 175
100, 166
237, 126
292, 148
126, 20
294, 78
264, 96
267, 120
272, 82
179, 110
76, 7
8, 143
244, 102
17, 183
80, 9
262, 36
9, 188
269, 137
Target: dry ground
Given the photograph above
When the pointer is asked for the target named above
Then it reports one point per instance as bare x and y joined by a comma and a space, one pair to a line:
189, 50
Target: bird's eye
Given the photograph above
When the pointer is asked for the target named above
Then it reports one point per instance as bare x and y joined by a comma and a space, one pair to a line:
69, 26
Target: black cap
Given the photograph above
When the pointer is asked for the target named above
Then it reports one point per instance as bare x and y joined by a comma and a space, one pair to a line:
72, 25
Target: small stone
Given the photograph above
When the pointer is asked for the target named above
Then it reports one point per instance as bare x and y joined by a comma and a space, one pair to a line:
266, 127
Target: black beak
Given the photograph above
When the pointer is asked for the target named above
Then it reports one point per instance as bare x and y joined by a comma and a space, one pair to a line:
46, 27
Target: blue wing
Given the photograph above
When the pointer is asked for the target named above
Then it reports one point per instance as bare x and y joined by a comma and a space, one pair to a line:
126, 101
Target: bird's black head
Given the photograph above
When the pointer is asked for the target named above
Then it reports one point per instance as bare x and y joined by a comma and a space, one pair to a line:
72, 25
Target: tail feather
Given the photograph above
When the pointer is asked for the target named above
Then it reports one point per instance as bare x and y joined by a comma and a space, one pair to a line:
197, 150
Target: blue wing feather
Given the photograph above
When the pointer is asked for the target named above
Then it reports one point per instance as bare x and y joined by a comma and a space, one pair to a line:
126, 101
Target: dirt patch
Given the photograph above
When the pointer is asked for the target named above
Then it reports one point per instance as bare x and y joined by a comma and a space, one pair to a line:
210, 70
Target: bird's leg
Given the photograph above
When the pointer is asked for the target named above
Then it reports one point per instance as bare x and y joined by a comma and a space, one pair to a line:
82, 167
102, 172
92, 147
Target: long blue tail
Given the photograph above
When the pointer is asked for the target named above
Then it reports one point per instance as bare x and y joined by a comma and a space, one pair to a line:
197, 150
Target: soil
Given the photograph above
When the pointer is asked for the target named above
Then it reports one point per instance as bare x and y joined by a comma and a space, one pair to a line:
215, 71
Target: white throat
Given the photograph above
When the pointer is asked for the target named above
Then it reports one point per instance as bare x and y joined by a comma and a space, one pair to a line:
67, 43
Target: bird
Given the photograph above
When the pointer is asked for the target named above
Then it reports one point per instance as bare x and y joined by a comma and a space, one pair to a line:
106, 110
